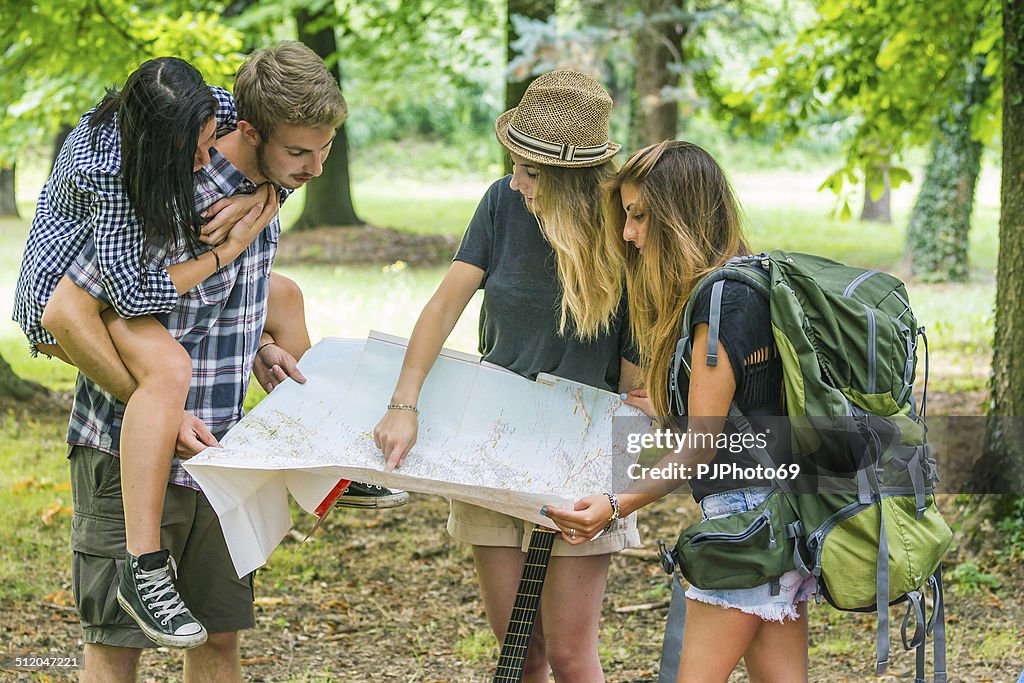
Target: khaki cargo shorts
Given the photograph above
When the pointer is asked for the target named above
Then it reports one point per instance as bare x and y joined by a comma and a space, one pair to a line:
479, 526
191, 531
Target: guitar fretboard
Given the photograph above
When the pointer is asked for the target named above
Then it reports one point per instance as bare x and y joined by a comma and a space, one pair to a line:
524, 612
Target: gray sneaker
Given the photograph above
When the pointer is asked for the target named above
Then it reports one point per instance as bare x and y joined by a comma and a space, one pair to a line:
359, 495
147, 594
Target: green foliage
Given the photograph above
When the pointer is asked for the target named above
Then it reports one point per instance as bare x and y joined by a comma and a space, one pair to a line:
999, 644
835, 646
478, 646
720, 43
968, 579
33, 483
1011, 525
446, 50
937, 233
407, 67
883, 70
56, 58
936, 239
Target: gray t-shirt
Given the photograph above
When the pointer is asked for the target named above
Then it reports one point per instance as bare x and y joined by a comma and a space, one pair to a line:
522, 297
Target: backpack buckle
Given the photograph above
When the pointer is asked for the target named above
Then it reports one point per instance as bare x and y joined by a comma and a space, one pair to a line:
667, 557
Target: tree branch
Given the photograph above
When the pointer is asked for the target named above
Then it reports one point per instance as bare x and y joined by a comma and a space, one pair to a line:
129, 38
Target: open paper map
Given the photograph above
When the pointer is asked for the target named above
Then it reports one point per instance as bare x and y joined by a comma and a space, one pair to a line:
487, 436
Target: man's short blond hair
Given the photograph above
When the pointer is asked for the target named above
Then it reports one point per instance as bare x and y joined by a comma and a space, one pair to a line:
287, 83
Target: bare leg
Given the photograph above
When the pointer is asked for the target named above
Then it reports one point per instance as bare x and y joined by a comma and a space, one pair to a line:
286, 316
714, 639
215, 660
74, 318
148, 370
108, 664
571, 608
149, 430
778, 653
499, 570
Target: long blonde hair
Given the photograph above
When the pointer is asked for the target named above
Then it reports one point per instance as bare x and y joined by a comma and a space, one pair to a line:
571, 218
694, 225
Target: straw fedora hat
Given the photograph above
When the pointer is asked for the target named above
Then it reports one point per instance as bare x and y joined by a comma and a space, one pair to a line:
562, 120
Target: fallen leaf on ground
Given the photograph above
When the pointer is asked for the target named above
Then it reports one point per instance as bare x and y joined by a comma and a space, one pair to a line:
61, 598
50, 511
270, 601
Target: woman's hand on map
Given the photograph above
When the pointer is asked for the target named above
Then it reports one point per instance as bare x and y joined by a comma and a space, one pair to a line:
587, 519
638, 399
395, 435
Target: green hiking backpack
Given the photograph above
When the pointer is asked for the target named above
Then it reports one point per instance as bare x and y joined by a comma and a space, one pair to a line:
870, 531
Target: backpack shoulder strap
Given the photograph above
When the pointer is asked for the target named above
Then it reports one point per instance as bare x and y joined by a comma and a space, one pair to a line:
675, 623
750, 270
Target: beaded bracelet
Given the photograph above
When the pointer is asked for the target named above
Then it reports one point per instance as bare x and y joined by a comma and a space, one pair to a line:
614, 501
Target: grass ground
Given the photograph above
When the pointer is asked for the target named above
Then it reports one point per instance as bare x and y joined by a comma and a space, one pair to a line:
388, 596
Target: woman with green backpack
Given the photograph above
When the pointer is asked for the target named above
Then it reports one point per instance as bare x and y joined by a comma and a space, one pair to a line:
679, 220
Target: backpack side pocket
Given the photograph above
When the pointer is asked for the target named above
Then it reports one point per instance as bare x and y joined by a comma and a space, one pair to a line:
741, 550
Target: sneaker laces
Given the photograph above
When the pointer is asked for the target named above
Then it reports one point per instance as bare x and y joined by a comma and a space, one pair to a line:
162, 598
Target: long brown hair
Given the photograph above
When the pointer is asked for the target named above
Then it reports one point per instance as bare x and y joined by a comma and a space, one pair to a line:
570, 214
694, 225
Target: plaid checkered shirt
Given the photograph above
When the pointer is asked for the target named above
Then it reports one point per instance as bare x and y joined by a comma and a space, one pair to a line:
84, 200
218, 323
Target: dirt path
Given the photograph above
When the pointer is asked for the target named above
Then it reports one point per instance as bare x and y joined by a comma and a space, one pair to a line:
388, 596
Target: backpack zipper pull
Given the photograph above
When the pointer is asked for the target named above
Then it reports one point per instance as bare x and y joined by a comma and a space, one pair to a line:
771, 533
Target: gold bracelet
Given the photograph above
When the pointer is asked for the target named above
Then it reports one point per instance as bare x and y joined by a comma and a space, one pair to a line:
403, 406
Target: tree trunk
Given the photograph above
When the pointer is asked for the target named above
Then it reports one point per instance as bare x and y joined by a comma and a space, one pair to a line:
14, 388
659, 45
937, 234
1000, 467
878, 210
236, 8
329, 197
540, 10
8, 204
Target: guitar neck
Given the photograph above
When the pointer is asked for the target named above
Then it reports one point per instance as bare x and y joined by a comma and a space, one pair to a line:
524, 612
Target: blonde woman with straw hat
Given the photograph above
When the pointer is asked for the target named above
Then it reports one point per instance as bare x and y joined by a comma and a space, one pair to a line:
538, 248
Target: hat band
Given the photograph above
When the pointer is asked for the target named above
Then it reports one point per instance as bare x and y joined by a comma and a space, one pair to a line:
554, 149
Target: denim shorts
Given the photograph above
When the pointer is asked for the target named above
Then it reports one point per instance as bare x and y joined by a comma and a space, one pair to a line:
758, 600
